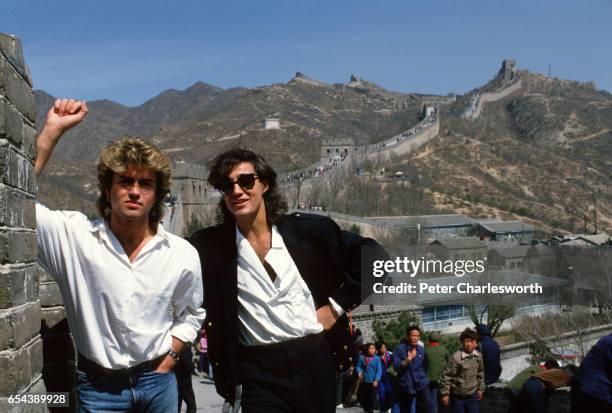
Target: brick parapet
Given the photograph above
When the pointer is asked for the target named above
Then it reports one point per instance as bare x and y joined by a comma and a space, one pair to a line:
21, 354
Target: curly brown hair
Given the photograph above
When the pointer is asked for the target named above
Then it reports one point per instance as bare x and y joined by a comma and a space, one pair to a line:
125, 152
220, 168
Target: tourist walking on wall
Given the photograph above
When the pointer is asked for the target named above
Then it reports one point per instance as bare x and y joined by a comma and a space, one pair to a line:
132, 291
204, 365
491, 354
462, 383
436, 356
409, 362
369, 370
385, 387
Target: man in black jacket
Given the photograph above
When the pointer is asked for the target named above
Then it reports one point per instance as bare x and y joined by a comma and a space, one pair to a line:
275, 286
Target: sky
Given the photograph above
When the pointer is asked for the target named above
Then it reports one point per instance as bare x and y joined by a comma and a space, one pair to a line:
130, 51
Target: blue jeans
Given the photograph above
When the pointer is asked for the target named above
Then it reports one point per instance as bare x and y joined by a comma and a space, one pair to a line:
407, 401
465, 405
147, 392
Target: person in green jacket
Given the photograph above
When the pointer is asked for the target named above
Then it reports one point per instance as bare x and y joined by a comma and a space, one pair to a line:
436, 356
515, 385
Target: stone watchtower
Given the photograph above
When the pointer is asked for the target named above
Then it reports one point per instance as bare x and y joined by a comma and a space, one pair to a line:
508, 72
21, 346
193, 194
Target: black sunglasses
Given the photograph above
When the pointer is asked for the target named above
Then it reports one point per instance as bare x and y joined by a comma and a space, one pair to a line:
244, 181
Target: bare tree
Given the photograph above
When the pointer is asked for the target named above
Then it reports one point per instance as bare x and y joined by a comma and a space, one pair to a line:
558, 332
493, 315
493, 309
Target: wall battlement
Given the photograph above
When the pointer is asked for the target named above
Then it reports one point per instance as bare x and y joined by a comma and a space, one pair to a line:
21, 345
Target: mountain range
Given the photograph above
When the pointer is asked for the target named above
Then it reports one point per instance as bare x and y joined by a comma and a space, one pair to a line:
540, 154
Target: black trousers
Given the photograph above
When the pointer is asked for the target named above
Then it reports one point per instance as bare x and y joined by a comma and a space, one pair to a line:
293, 376
185, 393
368, 397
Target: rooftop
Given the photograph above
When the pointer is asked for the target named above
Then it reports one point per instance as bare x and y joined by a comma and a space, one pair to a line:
427, 221
459, 243
597, 238
518, 251
506, 226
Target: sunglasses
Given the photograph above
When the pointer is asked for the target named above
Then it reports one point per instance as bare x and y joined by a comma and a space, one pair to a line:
244, 181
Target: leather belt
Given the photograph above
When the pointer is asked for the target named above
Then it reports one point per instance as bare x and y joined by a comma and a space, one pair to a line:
93, 369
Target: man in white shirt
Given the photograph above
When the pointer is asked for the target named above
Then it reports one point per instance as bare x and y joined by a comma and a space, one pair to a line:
131, 290
276, 285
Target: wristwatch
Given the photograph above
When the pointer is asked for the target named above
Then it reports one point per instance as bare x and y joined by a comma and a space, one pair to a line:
176, 356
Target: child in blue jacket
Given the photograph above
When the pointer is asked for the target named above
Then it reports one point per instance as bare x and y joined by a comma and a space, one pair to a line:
369, 369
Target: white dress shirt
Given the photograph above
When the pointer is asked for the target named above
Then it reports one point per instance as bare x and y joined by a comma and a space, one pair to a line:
272, 312
121, 313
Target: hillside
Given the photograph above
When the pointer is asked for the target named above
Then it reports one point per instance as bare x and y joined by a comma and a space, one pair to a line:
543, 155
198, 122
540, 154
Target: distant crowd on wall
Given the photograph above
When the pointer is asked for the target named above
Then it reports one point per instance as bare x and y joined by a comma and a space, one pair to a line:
472, 107
338, 159
426, 376
418, 128
320, 170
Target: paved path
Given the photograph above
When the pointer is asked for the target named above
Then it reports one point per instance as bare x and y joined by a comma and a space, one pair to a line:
208, 401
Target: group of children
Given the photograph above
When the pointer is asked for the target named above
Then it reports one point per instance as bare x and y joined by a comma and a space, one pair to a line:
426, 377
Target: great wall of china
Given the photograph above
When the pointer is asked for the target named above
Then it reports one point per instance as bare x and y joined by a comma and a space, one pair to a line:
400, 144
478, 100
193, 196
36, 349
197, 195
509, 81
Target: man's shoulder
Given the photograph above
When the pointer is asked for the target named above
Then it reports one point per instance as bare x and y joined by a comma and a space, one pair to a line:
456, 356
308, 222
42, 211
207, 234
51, 221
298, 216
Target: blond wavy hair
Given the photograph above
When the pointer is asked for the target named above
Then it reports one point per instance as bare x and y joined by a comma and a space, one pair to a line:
125, 152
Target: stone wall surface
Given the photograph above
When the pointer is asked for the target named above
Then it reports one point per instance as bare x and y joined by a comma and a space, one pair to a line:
21, 346
194, 197
59, 367
496, 400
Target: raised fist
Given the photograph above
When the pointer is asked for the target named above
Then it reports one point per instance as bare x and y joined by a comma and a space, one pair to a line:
65, 114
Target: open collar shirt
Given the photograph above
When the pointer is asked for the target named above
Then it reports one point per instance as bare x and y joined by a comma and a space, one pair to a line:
273, 311
121, 313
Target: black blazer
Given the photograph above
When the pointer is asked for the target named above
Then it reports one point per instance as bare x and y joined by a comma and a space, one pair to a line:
328, 259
